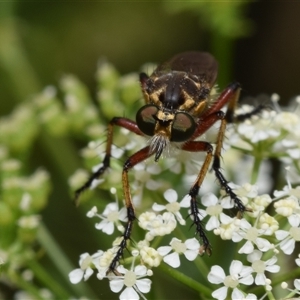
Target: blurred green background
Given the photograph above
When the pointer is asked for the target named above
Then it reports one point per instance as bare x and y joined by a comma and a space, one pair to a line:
255, 42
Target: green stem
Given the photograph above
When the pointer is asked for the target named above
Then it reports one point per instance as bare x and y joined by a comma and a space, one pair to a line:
27, 286
61, 261
201, 265
271, 296
48, 281
195, 285
255, 170
286, 277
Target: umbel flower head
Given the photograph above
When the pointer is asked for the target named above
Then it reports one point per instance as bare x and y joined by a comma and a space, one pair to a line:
257, 241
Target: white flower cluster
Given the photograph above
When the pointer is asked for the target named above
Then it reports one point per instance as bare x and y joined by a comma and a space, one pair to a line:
258, 239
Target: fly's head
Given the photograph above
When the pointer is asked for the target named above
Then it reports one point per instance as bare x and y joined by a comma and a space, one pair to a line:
176, 95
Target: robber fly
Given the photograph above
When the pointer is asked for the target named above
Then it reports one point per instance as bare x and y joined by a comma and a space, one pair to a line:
179, 109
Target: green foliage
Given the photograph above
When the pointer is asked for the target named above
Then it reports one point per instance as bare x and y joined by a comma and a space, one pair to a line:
225, 18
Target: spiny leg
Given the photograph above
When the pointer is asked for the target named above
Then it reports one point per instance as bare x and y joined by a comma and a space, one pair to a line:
129, 164
229, 117
216, 167
244, 116
116, 121
199, 146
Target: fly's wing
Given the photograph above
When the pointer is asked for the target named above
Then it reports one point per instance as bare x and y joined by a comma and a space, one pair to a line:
201, 64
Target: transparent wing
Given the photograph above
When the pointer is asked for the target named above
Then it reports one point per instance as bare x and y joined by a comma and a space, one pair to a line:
200, 64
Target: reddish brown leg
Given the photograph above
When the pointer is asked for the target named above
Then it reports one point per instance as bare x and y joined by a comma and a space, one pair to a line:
213, 114
198, 146
129, 164
230, 96
117, 121
229, 117
216, 167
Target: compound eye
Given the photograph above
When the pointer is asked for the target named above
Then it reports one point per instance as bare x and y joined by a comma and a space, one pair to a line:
145, 119
183, 127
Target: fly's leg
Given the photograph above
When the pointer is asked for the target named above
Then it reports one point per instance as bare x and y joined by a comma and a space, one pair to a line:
231, 96
129, 164
216, 167
242, 117
229, 117
116, 121
197, 146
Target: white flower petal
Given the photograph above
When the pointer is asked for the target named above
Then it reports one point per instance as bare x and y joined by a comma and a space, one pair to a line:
287, 246
279, 194
186, 201
209, 199
260, 279
88, 273
251, 297
271, 261
237, 294
263, 244
255, 255
216, 275
248, 280
246, 271
129, 294
144, 285
170, 195
191, 254
212, 223
225, 219
121, 269
247, 248
172, 260
116, 285
235, 267
281, 234
109, 228
294, 220
192, 244
164, 250
220, 293
91, 213
236, 237
297, 284
273, 268
76, 275
101, 224
245, 224
84, 260
140, 270
109, 208
180, 218
202, 214
227, 203
158, 207
123, 214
